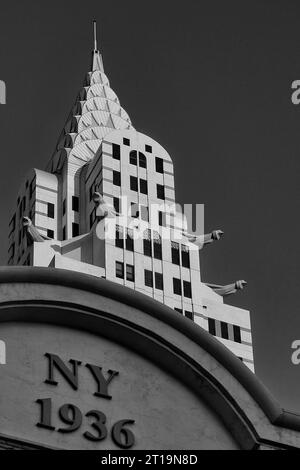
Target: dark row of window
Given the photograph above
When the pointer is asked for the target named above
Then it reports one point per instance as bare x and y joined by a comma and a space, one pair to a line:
212, 328
137, 158
187, 313
152, 245
158, 280
180, 255
148, 148
178, 290
124, 236
120, 271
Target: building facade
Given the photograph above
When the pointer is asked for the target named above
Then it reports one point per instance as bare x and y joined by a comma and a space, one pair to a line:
105, 205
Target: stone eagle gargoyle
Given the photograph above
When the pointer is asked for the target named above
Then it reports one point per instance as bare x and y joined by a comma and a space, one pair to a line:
32, 233
202, 240
228, 289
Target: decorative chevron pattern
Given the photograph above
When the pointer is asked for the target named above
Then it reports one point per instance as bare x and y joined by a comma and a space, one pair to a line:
96, 112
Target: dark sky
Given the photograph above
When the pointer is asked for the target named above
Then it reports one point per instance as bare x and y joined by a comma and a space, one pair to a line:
211, 82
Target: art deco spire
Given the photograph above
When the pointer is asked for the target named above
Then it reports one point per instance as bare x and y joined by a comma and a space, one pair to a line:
97, 62
97, 111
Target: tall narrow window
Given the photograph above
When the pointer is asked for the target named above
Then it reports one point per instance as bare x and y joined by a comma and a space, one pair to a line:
143, 186
64, 207
212, 326
133, 157
160, 189
133, 183
142, 160
175, 253
75, 230
50, 211
117, 204
237, 334
147, 243
162, 219
148, 278
129, 272
119, 236
134, 209
116, 178
129, 240
75, 203
185, 256
157, 247
159, 165
177, 286
187, 289
159, 282
116, 151
224, 330
64, 233
119, 270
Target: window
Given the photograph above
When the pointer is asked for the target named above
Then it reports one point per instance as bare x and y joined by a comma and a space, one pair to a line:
148, 148
134, 210
117, 204
119, 242
129, 240
50, 233
142, 160
187, 289
237, 334
64, 233
116, 151
224, 330
75, 203
64, 207
160, 190
130, 272
162, 219
75, 230
143, 186
175, 253
147, 243
189, 315
148, 278
116, 178
179, 310
119, 270
145, 213
157, 248
133, 183
159, 282
50, 210
133, 157
126, 142
212, 326
159, 165
177, 286
185, 256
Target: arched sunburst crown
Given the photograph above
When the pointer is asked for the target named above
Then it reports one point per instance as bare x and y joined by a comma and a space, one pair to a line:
96, 112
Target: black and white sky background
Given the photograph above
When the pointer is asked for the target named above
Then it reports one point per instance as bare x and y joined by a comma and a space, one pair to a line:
211, 81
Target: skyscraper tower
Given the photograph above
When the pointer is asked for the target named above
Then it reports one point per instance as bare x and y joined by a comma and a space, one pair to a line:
105, 206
